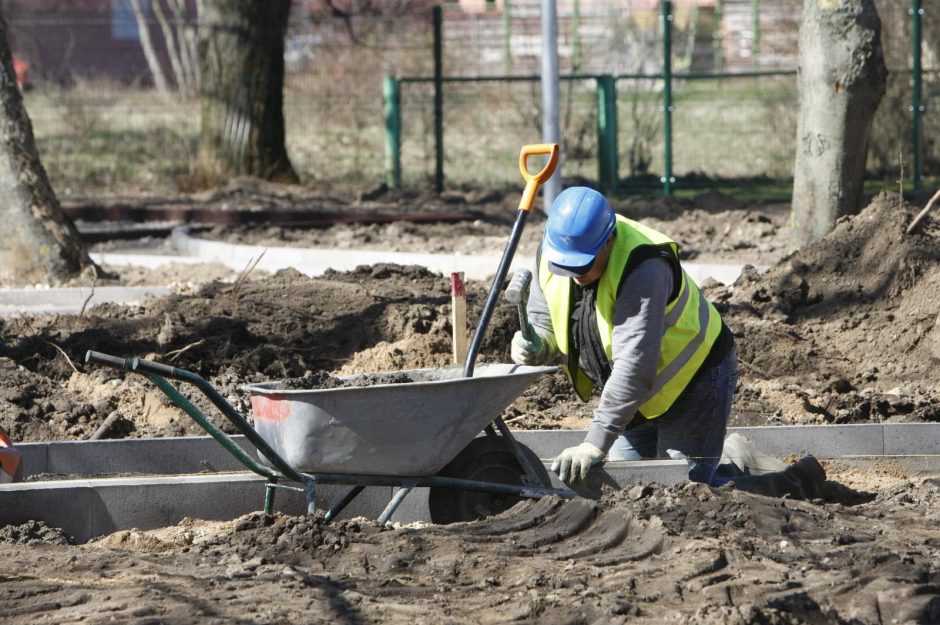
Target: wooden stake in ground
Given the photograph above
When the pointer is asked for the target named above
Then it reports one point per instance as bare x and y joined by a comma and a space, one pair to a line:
458, 315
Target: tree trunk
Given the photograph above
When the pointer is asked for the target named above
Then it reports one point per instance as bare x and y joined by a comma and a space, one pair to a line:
38, 242
241, 56
841, 80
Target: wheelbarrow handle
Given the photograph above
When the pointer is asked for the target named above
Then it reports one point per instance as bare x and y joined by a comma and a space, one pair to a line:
98, 358
156, 372
534, 180
138, 365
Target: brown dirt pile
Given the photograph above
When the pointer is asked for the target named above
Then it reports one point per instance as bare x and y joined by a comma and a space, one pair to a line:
280, 327
843, 331
652, 554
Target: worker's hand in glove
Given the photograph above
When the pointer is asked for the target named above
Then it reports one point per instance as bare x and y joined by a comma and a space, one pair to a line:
525, 352
574, 463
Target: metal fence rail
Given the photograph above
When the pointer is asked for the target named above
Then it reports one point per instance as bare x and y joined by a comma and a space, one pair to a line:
682, 129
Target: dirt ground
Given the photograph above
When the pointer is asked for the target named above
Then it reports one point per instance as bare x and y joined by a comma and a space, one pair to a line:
843, 331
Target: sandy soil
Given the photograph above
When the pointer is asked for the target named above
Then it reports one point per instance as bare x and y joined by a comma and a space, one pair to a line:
844, 331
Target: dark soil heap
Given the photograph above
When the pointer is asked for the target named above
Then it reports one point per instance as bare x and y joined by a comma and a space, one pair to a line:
652, 554
286, 327
840, 332
845, 326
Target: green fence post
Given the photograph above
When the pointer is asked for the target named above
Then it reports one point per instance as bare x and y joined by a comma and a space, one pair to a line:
391, 91
607, 164
917, 105
438, 102
666, 19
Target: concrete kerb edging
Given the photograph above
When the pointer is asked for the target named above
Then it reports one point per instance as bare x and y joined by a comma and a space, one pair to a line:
88, 508
70, 300
202, 453
98, 506
314, 262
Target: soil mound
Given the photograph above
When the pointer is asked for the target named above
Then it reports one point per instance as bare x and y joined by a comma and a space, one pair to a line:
840, 332
654, 553
33, 533
843, 329
284, 327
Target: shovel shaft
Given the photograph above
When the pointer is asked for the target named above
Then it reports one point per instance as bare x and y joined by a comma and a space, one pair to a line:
525, 205
493, 296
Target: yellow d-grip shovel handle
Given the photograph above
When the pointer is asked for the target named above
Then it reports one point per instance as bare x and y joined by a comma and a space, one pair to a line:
532, 181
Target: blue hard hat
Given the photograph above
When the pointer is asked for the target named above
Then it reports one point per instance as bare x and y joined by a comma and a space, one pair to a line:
579, 224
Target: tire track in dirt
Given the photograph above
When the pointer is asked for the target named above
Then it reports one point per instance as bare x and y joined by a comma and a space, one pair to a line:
656, 554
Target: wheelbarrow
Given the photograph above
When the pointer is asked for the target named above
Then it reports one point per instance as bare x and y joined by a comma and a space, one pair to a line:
421, 432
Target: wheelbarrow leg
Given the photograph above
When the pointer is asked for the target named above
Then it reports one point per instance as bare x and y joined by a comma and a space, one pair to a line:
342, 503
535, 477
310, 494
399, 496
269, 489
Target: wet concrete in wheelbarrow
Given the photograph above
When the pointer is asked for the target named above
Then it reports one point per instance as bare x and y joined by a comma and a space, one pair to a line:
842, 332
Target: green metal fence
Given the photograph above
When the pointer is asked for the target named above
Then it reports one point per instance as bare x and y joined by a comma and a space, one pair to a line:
664, 129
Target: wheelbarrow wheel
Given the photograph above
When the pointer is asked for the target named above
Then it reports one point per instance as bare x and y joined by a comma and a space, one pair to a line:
485, 459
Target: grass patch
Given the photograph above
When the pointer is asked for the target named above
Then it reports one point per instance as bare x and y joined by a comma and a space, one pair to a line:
734, 135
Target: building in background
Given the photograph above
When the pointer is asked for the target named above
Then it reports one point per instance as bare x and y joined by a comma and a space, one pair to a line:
65, 40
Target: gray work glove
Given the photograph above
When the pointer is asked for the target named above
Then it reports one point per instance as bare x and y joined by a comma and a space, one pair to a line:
574, 463
534, 352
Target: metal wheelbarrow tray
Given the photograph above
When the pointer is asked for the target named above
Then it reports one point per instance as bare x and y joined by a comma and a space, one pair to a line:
394, 428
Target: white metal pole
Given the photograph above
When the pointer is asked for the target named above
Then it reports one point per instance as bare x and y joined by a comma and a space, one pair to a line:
551, 132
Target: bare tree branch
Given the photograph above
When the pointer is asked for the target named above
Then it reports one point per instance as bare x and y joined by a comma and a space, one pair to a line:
172, 49
153, 62
923, 213
186, 38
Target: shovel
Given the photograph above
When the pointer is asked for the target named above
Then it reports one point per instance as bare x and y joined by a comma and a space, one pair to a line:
525, 206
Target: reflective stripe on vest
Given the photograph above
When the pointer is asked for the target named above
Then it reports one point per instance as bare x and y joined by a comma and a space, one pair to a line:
691, 322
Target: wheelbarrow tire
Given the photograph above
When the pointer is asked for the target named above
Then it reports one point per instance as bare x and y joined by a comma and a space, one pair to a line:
484, 459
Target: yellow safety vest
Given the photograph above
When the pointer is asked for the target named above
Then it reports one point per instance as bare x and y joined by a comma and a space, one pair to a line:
691, 325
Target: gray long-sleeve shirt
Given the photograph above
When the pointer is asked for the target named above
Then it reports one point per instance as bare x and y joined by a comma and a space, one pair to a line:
639, 320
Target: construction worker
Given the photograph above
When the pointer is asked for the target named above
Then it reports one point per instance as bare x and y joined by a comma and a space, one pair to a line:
612, 299
11, 467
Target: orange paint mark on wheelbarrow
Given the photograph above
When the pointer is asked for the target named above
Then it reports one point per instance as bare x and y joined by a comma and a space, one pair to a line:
270, 408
